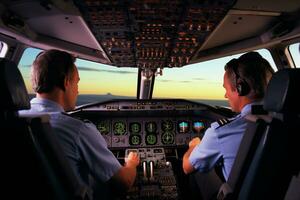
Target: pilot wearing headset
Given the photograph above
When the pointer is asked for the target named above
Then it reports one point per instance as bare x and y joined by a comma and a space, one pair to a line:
245, 82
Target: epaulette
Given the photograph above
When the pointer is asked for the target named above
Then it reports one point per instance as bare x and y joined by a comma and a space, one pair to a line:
223, 122
64, 113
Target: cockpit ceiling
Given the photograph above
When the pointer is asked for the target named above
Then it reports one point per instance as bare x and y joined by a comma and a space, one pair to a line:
152, 33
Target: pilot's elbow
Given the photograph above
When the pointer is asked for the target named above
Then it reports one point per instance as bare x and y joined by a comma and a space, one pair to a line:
185, 171
187, 167
184, 168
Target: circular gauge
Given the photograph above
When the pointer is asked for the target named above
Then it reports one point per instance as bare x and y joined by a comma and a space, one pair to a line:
135, 139
167, 138
151, 139
151, 127
119, 128
103, 127
135, 127
167, 125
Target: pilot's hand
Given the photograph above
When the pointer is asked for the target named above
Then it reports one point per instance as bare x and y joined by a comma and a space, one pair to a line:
194, 142
132, 159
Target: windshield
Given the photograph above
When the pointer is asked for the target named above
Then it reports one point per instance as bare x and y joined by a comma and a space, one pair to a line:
200, 82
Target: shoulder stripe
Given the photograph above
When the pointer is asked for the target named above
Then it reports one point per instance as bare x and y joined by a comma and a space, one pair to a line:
223, 122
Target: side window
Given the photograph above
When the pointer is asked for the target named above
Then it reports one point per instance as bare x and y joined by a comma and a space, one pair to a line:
3, 49
295, 52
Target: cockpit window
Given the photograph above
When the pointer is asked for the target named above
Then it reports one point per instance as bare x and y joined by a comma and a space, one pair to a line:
201, 82
295, 52
98, 82
3, 49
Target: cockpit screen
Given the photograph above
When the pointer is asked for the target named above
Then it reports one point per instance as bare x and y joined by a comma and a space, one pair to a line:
103, 127
150, 127
166, 125
135, 139
183, 127
119, 128
151, 139
198, 126
135, 127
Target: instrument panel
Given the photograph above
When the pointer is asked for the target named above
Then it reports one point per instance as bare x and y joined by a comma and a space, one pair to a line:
149, 123
130, 132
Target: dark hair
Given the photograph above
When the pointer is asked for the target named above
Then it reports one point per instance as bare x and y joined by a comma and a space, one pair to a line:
250, 70
50, 69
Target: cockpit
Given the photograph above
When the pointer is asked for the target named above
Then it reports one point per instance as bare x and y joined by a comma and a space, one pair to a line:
151, 76
159, 131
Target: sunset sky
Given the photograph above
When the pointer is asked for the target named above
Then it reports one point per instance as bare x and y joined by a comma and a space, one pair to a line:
196, 81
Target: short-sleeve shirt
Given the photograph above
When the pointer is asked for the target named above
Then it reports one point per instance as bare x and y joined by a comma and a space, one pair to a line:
220, 141
82, 143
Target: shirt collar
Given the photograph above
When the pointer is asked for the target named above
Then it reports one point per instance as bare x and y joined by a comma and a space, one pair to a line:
247, 108
46, 105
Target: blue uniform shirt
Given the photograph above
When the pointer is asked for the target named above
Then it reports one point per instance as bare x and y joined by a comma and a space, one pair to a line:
83, 145
220, 141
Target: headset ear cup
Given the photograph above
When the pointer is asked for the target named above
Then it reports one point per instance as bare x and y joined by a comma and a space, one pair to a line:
239, 88
242, 88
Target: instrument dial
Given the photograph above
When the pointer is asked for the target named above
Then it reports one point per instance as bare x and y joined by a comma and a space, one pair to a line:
103, 127
135, 127
167, 138
151, 139
135, 139
119, 128
151, 127
167, 125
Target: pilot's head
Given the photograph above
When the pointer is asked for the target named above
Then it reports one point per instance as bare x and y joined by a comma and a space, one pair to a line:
248, 76
54, 72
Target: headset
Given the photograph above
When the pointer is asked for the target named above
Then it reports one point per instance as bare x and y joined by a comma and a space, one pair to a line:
241, 84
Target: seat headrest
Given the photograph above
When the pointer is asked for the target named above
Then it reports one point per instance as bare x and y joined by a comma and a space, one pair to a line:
282, 93
14, 95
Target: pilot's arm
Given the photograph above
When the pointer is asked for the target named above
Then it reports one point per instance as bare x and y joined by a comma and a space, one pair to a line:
186, 165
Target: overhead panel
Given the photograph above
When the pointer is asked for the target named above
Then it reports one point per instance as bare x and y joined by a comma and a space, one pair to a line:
152, 33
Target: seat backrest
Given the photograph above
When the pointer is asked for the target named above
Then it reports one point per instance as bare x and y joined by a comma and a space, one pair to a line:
34, 164
255, 128
275, 160
293, 192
